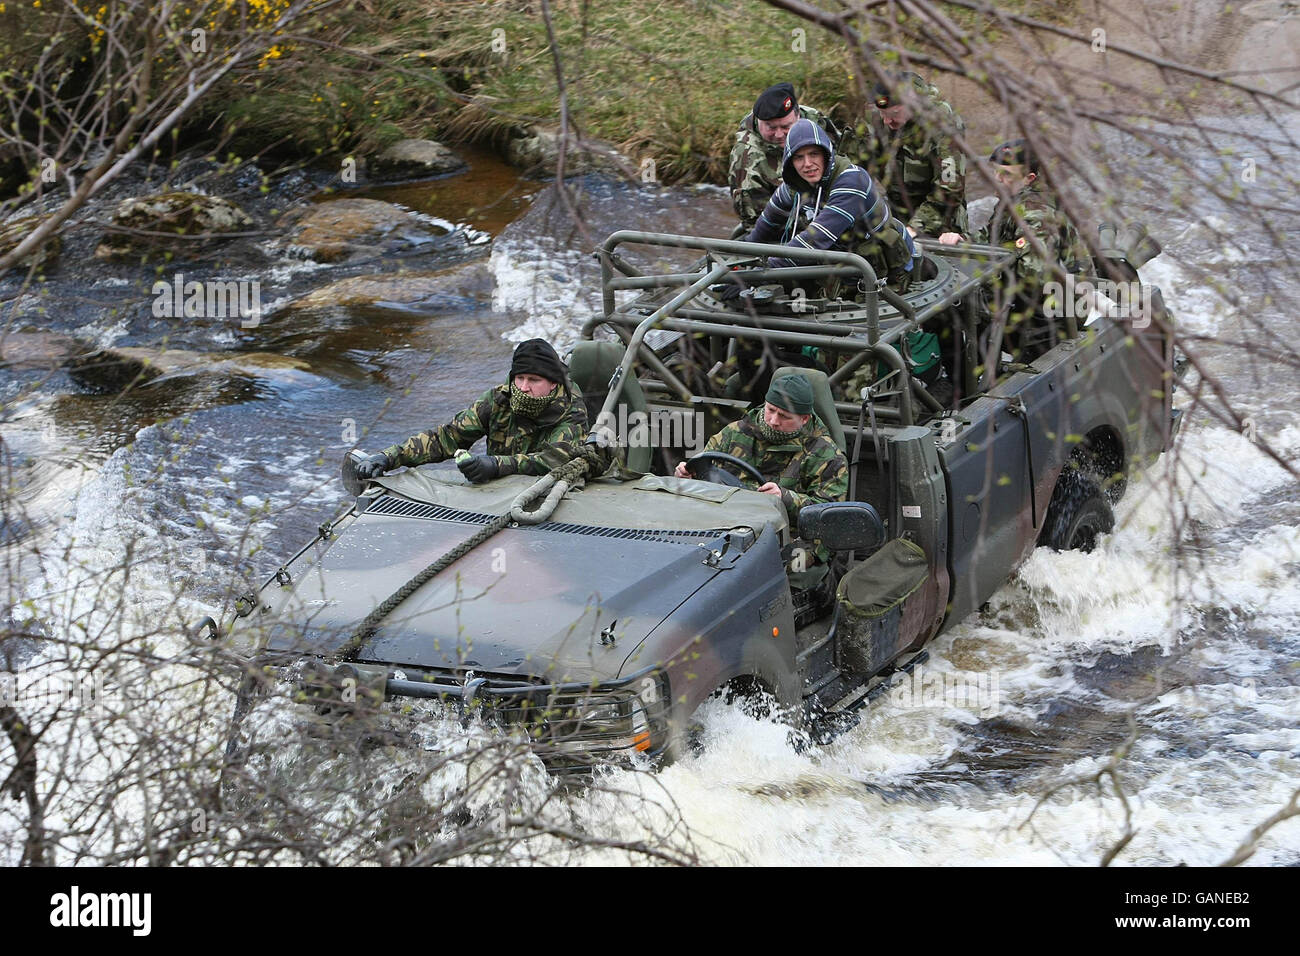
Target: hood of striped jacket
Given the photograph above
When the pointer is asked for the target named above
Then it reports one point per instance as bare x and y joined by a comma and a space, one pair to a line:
806, 133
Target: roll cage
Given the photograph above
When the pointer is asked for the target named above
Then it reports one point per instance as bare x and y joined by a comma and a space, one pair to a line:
852, 331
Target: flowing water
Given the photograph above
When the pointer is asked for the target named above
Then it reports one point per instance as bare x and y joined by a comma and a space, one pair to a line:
1178, 649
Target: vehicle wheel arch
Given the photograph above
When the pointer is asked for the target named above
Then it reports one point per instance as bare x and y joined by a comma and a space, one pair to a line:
1102, 454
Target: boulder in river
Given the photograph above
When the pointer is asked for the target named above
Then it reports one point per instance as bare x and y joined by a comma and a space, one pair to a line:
414, 159
152, 221
113, 369
401, 288
537, 148
38, 349
345, 228
16, 230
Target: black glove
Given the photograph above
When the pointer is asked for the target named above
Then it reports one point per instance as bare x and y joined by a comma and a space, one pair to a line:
733, 290
372, 466
479, 468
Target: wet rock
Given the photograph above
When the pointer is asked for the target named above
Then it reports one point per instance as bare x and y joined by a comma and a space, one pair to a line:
38, 349
403, 288
415, 158
349, 228
16, 230
537, 149
172, 213
112, 370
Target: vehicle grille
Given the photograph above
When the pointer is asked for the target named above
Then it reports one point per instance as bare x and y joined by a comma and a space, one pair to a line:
636, 534
402, 508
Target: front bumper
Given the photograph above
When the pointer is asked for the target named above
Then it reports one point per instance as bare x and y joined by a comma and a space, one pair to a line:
572, 726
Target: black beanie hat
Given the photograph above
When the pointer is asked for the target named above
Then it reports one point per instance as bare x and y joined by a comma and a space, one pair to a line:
536, 357
775, 102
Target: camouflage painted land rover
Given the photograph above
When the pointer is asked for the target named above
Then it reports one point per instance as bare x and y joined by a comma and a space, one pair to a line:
595, 614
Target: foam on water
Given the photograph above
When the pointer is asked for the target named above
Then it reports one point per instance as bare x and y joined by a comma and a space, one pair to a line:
545, 283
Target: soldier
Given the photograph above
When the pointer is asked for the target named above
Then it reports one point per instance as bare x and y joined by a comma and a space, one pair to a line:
754, 171
826, 202
789, 445
906, 144
534, 422
1017, 168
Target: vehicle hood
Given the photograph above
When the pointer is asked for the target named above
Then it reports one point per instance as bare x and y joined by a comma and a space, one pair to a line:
559, 600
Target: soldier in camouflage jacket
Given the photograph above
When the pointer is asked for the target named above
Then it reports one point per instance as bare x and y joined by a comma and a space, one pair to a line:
754, 171
789, 446
1017, 168
906, 144
534, 422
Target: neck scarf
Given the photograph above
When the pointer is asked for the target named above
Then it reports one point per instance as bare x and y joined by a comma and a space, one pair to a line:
521, 403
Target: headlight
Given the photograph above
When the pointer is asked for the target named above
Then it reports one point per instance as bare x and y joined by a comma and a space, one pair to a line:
624, 717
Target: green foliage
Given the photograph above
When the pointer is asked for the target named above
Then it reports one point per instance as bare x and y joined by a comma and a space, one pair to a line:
669, 80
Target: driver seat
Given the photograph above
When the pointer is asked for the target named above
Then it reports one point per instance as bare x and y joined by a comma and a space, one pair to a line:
823, 401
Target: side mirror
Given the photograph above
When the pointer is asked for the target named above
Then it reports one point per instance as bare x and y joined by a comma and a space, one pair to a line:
842, 525
351, 482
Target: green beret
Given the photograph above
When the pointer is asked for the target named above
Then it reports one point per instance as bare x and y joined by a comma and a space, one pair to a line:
792, 393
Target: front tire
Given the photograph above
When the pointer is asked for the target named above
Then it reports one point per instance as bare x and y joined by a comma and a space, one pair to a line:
1077, 515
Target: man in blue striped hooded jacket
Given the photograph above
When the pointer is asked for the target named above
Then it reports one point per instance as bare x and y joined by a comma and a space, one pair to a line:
826, 202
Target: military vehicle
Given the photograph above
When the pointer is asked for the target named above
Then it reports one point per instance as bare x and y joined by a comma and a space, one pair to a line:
596, 617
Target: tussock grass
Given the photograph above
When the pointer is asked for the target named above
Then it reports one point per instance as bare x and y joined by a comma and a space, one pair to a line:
667, 80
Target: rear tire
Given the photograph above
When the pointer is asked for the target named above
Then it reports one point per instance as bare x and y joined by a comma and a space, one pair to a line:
1077, 515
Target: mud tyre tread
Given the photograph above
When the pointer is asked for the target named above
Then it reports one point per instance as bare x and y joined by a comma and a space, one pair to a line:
1078, 513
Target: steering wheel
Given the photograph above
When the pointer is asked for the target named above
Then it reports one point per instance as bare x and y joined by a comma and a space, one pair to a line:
714, 473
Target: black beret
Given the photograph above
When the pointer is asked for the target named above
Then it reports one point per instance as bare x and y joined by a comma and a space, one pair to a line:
775, 102
885, 95
1014, 152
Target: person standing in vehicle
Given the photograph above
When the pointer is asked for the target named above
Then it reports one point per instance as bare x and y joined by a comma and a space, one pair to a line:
754, 170
1017, 169
826, 202
788, 445
534, 422
906, 143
